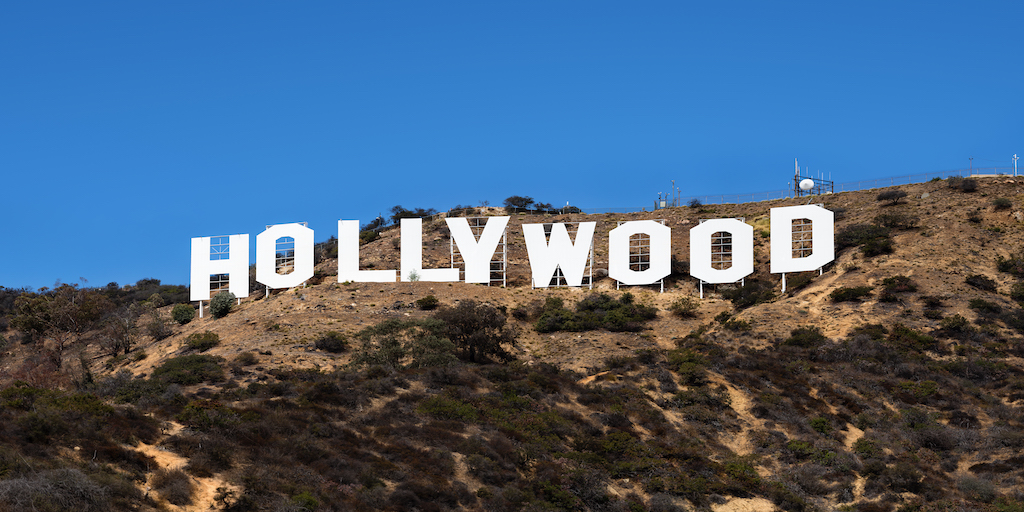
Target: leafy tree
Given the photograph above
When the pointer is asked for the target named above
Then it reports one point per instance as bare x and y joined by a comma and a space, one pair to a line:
518, 202
398, 212
371, 230
183, 313
7, 298
378, 223
221, 304
478, 329
891, 195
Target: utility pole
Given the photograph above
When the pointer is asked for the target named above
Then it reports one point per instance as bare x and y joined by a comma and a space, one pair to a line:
972, 164
1015, 165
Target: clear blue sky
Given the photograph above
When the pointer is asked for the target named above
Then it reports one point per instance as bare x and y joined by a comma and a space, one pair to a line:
126, 128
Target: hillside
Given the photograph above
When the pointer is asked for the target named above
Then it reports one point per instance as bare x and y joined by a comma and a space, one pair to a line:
905, 396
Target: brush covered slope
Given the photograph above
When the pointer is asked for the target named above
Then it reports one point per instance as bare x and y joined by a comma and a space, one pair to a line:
892, 381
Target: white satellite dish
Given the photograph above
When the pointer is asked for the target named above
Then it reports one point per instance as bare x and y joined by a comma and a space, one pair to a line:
806, 184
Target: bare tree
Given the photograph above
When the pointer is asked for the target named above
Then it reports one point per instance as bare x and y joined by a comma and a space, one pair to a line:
58, 318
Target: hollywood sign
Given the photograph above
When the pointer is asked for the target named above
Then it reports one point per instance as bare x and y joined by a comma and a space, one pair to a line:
547, 253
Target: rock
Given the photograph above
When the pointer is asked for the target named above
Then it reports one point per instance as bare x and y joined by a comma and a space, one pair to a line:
925, 195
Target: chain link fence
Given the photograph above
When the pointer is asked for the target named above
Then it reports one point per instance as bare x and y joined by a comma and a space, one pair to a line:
838, 187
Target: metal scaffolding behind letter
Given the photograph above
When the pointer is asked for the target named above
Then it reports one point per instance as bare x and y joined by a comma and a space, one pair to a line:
499, 260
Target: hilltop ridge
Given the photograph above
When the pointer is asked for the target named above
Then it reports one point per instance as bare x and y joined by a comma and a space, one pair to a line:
893, 379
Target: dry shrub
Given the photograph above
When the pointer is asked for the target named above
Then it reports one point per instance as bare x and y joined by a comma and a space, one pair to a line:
173, 485
58, 489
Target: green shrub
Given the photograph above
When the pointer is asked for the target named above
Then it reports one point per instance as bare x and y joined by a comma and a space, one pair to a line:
985, 307
906, 337
799, 280
333, 342
844, 294
690, 366
397, 343
962, 184
367, 236
595, 311
448, 408
873, 331
955, 323
876, 247
183, 313
305, 501
821, 425
206, 415
866, 447
977, 489
246, 359
202, 341
1008, 504
801, 449
427, 303
981, 282
922, 389
898, 284
1001, 203
1017, 292
859, 234
805, 337
189, 370
752, 292
221, 304
1012, 265
685, 307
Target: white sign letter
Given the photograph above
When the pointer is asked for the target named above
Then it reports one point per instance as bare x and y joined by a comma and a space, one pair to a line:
477, 254
560, 252
739, 251
348, 257
412, 256
823, 248
230, 256
266, 255
660, 252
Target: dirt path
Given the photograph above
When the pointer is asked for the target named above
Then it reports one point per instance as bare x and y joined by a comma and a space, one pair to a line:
738, 443
205, 488
745, 505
